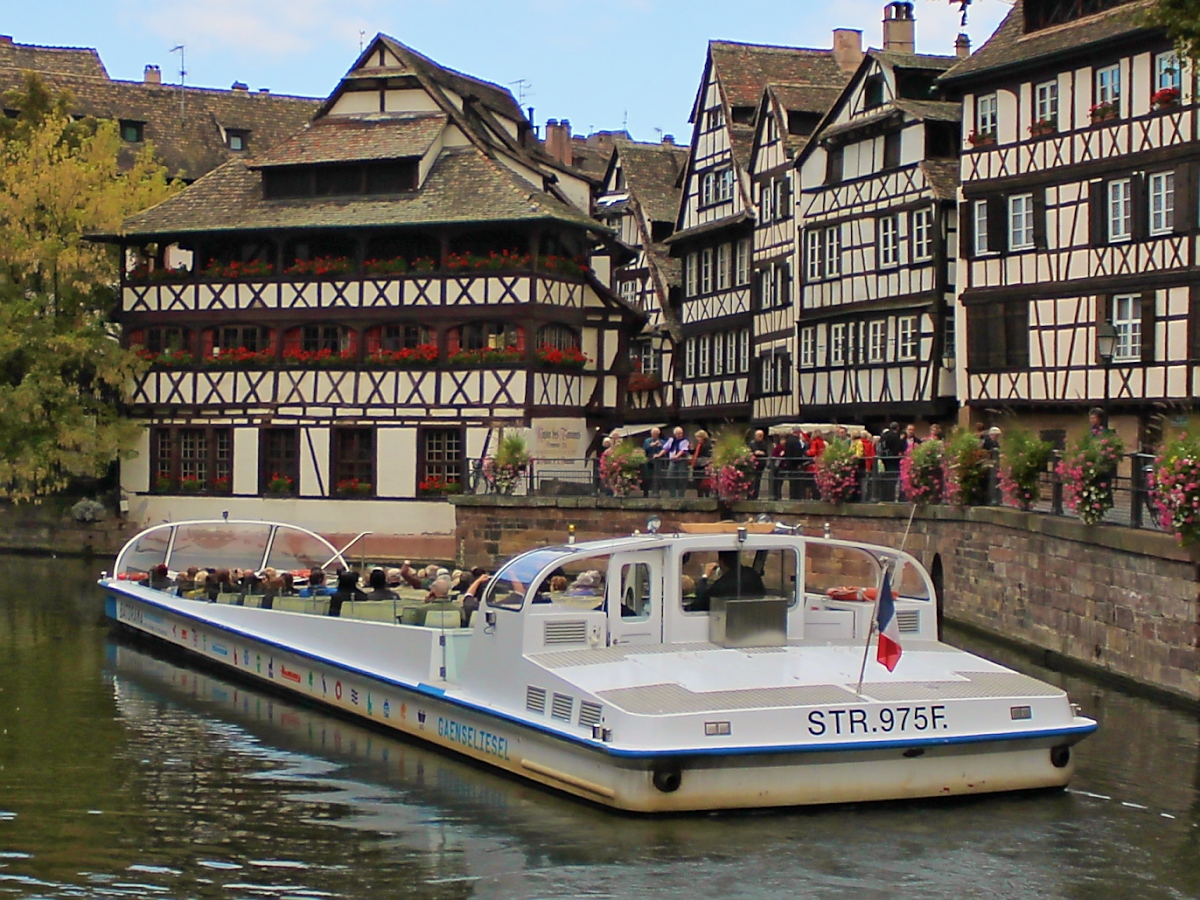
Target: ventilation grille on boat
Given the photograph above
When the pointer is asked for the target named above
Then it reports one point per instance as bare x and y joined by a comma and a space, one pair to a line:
908, 620
565, 633
561, 707
535, 699
589, 713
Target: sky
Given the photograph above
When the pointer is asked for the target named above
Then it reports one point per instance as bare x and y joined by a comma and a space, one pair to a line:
604, 64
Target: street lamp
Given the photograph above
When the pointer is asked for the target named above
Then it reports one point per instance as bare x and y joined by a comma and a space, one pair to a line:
1106, 346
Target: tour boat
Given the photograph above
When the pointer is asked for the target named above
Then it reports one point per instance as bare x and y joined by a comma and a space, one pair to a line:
732, 668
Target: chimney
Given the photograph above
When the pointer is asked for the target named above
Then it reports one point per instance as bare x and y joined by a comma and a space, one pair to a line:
962, 46
6, 40
152, 75
669, 140
558, 140
264, 92
847, 48
899, 28
240, 86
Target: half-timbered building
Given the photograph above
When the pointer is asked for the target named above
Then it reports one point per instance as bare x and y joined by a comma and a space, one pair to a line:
715, 225
877, 244
1079, 216
368, 305
640, 200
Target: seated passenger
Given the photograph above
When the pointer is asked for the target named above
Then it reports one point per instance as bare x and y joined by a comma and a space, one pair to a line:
735, 580
558, 583
160, 578
288, 588
587, 584
347, 590
316, 584
439, 591
274, 587
379, 589
216, 584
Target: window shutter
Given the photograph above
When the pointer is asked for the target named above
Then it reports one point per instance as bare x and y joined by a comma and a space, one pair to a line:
1194, 323
1139, 207
269, 335
373, 339
1186, 214
785, 199
521, 338
785, 286
293, 340
1149, 318
997, 216
966, 231
1097, 220
1039, 219
207, 340
137, 338
1016, 334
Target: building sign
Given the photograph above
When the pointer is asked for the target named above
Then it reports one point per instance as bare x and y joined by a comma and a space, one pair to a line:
559, 439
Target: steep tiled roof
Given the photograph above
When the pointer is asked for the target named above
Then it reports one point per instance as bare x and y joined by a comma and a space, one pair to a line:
463, 186
923, 61
745, 69
651, 175
943, 176
189, 138
385, 136
65, 60
925, 110
1010, 46
801, 98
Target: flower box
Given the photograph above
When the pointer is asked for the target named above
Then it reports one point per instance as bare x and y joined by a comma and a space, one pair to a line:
352, 487
423, 356
318, 359
163, 484
438, 487
644, 381
167, 359
144, 273
279, 484
570, 358
488, 356
191, 485
238, 358
1103, 112
239, 270
981, 138
1165, 98
396, 266
1043, 127
222, 484
321, 266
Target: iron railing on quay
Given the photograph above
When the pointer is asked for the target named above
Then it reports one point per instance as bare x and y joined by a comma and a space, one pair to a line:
784, 479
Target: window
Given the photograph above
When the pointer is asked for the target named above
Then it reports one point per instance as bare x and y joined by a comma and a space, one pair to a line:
691, 265
558, 337
1120, 218
689, 358
163, 340
906, 345
487, 336
715, 118
766, 373
1045, 104
394, 176
246, 337
723, 253
315, 338
1127, 320
744, 350
724, 185
949, 338
647, 356
833, 251
441, 458
985, 115
808, 347
877, 341
1020, 222
352, 461
891, 150
766, 287
279, 460
237, 140
192, 459
770, 133
706, 273
922, 238
718, 355
834, 164
628, 289
783, 198
132, 132
837, 344
998, 335
1162, 203
766, 202
742, 275
873, 92
980, 211
708, 193
1167, 71
705, 342
889, 244
813, 270
731, 352
1108, 86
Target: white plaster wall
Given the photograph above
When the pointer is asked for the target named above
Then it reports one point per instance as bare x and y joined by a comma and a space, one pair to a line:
135, 472
396, 461
409, 101
245, 460
356, 103
314, 462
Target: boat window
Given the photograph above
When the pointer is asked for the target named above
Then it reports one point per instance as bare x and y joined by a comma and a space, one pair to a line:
219, 545
833, 566
911, 583
507, 588
579, 584
145, 552
635, 592
294, 550
730, 573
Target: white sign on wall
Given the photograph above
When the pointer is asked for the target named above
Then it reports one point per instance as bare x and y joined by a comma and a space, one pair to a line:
559, 439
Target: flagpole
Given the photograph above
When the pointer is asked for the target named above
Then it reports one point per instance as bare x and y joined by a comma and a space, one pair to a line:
862, 671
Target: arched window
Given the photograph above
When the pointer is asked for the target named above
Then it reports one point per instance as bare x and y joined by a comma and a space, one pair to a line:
231, 338
309, 342
557, 337
163, 346
486, 336
392, 338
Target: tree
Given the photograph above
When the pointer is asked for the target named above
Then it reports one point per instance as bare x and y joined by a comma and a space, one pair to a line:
62, 369
1181, 19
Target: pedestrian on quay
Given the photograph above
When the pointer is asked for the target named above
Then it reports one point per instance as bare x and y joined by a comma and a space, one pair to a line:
778, 448
652, 447
701, 457
910, 438
678, 452
760, 450
794, 452
891, 448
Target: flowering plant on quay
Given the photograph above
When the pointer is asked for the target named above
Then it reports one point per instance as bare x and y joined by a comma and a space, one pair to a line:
621, 467
504, 469
965, 467
1175, 487
837, 472
731, 470
1023, 459
1088, 472
922, 476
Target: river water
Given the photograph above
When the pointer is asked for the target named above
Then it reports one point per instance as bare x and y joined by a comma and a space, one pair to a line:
125, 773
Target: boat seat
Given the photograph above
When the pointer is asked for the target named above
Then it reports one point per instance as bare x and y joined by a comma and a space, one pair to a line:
411, 615
471, 619
370, 611
443, 618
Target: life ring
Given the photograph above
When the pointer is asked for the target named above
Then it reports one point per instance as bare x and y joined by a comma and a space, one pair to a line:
846, 592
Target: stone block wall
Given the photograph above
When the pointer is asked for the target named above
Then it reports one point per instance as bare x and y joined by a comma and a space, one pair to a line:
1118, 600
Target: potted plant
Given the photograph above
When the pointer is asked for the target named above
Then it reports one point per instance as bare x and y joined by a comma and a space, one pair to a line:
397, 265
505, 468
1105, 110
318, 359
487, 356
255, 268
1023, 459
1174, 486
1165, 98
732, 468
354, 487
965, 466
321, 266
1043, 127
437, 486
167, 359
191, 485
1088, 472
238, 358
921, 473
981, 138
836, 472
222, 484
279, 483
163, 484
621, 468
644, 381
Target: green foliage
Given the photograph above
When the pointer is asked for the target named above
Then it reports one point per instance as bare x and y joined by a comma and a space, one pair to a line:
513, 450
1181, 19
62, 370
730, 449
967, 465
1023, 459
621, 468
837, 471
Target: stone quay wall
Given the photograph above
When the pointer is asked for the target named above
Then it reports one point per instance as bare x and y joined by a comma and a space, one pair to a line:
1119, 602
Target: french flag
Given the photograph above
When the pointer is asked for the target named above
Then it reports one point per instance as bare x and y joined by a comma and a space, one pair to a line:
889, 651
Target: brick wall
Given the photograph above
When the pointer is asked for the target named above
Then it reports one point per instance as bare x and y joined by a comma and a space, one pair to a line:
1117, 600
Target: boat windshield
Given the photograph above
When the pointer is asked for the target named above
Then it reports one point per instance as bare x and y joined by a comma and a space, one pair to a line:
507, 588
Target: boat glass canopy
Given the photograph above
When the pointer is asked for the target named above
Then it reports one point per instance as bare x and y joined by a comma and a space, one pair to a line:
507, 588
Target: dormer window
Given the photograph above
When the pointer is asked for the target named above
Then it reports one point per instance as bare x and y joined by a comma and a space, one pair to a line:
801, 123
132, 132
340, 179
743, 115
236, 139
873, 92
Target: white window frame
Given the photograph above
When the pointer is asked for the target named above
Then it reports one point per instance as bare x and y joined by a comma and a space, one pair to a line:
708, 185
742, 262
877, 341
723, 254
731, 352
689, 358
979, 213
833, 251
808, 347
813, 270
766, 202
1045, 104
744, 350
777, 188
1127, 320
706, 270
1168, 73
1162, 203
888, 241
724, 189
1020, 222
837, 344
907, 337
986, 114
718, 354
705, 342
1118, 195
715, 117
1108, 85
766, 287
692, 265
922, 236
767, 373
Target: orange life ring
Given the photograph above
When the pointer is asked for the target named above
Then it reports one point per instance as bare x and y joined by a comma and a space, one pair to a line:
846, 592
